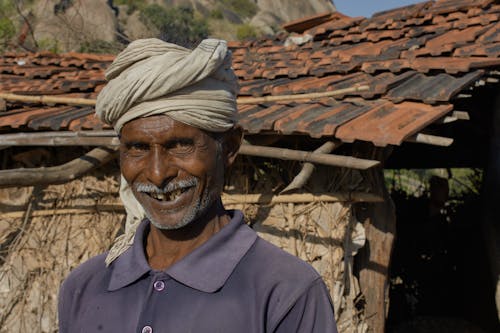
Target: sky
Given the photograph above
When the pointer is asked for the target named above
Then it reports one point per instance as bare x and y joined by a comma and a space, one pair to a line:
368, 7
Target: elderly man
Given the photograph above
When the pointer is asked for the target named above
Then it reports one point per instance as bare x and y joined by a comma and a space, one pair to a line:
184, 264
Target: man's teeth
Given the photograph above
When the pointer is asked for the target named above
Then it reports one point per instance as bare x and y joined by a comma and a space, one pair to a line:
170, 196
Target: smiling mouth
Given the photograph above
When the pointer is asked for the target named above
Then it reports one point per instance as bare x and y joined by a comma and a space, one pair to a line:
171, 193
168, 196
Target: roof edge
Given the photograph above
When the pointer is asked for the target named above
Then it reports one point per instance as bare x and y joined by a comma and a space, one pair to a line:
305, 23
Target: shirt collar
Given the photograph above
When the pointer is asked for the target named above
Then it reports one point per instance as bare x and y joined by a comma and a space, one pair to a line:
207, 268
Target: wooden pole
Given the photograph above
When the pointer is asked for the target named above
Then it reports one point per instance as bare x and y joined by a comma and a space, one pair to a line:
108, 138
57, 174
308, 168
77, 139
227, 199
48, 99
306, 156
265, 99
67, 211
430, 140
462, 115
30, 139
373, 260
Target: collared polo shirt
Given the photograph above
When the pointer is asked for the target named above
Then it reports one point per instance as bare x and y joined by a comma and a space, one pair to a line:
234, 282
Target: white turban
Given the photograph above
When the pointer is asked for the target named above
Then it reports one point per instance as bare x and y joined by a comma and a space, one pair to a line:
151, 77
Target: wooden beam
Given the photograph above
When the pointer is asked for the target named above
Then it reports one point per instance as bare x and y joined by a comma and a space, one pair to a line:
278, 98
57, 174
227, 199
308, 168
446, 120
25, 139
48, 99
61, 138
306, 156
430, 140
67, 211
78, 139
454, 116
373, 260
461, 115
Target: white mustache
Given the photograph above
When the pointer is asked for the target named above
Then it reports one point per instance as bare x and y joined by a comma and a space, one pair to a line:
170, 187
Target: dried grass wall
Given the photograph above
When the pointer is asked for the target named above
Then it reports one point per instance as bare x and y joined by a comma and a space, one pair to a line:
42, 244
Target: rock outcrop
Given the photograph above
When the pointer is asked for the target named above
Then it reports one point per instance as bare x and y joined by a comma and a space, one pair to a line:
66, 25
273, 13
80, 25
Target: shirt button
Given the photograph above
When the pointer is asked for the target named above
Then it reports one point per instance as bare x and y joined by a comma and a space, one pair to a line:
159, 285
147, 329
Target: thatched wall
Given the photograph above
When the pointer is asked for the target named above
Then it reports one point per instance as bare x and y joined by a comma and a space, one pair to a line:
47, 231
42, 244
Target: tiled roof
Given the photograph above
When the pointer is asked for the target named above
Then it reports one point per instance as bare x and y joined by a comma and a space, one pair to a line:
414, 59
68, 75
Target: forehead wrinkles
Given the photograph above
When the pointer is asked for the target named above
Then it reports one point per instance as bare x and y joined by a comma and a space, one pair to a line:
159, 126
148, 125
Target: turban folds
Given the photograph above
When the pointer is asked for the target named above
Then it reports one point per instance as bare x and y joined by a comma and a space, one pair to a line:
151, 77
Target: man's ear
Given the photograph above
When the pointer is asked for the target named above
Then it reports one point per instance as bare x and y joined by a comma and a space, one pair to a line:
231, 144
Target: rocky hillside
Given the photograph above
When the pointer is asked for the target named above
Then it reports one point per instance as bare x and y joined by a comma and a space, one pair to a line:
106, 25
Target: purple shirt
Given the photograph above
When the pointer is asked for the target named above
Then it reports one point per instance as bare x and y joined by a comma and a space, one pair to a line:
234, 282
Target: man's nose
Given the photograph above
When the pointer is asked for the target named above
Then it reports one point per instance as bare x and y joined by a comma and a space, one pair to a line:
161, 168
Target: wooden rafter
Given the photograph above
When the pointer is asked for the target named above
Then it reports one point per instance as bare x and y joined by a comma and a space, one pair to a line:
58, 174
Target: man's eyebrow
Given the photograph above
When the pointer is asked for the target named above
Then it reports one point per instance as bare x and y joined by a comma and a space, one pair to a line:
131, 141
179, 139
170, 142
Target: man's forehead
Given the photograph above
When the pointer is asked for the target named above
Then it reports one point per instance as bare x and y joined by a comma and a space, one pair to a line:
159, 125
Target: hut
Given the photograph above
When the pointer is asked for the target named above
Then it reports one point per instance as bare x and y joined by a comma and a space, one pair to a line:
323, 106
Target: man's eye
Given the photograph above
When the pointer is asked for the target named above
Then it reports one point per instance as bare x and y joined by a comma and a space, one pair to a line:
182, 147
137, 147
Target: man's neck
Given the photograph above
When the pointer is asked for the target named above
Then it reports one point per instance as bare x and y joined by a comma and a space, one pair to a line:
166, 247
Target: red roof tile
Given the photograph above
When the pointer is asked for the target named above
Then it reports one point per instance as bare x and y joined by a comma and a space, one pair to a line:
391, 123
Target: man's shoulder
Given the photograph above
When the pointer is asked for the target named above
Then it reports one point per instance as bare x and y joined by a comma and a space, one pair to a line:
278, 278
93, 268
274, 262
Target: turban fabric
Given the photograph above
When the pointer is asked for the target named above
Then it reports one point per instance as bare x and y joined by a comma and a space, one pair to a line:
151, 77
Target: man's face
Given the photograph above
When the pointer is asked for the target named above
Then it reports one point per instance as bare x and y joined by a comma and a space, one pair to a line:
176, 171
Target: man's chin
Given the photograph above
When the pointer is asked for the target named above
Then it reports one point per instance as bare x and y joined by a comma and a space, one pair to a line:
166, 226
183, 217
166, 223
